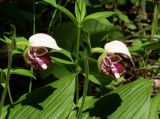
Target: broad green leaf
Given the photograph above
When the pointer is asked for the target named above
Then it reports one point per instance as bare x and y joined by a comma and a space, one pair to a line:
98, 15
130, 101
23, 72
80, 9
154, 105
89, 103
66, 53
45, 102
134, 94
97, 25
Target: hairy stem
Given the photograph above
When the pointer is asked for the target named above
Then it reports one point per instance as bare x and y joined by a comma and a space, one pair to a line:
85, 85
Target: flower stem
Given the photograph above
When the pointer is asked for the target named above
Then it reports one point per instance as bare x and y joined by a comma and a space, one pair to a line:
34, 31
9, 93
85, 85
97, 50
7, 80
10, 48
77, 66
30, 82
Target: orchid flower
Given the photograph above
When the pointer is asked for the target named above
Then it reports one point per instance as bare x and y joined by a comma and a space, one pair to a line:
111, 62
37, 54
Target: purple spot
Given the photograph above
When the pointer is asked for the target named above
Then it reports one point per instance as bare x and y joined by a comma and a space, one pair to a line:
112, 65
38, 58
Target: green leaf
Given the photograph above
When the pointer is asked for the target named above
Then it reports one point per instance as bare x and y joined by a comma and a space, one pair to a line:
52, 2
45, 102
99, 79
7, 40
152, 46
1, 39
57, 69
154, 105
80, 10
134, 94
155, 21
123, 17
98, 15
94, 25
66, 53
89, 103
127, 102
21, 44
68, 13
23, 72
62, 61
131, 26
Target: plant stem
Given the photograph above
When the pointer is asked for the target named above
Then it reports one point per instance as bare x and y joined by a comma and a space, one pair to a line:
9, 93
34, 18
97, 50
7, 80
85, 85
77, 66
30, 82
34, 30
51, 22
54, 16
10, 48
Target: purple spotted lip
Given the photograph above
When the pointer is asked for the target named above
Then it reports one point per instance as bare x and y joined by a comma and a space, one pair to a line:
112, 65
38, 57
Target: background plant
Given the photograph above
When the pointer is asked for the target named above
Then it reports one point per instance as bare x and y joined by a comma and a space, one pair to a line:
78, 27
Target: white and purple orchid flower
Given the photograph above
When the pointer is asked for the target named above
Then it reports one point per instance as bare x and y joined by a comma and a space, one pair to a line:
111, 62
37, 54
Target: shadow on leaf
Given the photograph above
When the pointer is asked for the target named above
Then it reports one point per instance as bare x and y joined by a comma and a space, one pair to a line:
32, 99
105, 106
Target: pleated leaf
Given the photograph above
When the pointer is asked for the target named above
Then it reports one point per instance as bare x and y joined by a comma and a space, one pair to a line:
131, 101
23, 72
44, 103
135, 99
154, 108
80, 9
